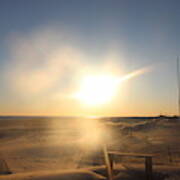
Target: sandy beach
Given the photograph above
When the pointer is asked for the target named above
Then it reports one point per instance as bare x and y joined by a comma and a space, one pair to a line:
53, 148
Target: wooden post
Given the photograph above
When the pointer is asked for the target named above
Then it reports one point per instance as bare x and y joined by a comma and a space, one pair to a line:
178, 84
148, 168
4, 169
169, 155
107, 162
111, 158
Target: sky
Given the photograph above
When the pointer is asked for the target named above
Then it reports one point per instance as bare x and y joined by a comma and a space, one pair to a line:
47, 46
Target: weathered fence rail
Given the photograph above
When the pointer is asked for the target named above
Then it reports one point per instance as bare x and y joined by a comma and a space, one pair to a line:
110, 156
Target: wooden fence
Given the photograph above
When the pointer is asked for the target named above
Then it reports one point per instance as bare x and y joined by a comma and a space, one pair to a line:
110, 156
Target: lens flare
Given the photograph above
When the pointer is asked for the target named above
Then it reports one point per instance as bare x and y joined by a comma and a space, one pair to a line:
135, 73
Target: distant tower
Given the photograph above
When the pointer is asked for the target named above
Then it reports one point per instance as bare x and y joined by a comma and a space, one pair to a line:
178, 83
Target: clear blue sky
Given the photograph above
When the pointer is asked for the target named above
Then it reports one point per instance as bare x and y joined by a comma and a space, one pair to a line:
146, 31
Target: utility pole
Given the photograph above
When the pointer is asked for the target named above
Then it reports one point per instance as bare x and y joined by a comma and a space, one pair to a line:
178, 84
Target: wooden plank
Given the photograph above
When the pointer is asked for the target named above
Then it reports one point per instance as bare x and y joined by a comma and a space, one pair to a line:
107, 162
130, 154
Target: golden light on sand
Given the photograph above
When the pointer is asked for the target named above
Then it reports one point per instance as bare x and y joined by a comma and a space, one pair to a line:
97, 89
92, 133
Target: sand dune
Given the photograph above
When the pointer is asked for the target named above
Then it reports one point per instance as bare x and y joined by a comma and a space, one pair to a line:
48, 148
55, 175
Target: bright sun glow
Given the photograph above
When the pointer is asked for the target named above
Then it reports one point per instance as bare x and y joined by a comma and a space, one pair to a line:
100, 89
97, 89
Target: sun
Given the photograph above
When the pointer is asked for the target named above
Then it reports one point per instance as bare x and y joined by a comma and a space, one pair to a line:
97, 89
